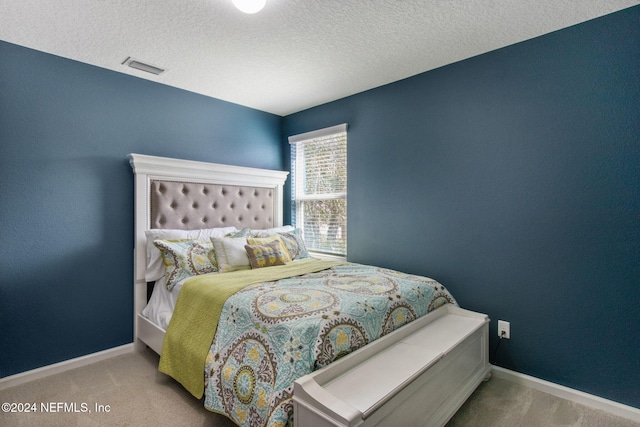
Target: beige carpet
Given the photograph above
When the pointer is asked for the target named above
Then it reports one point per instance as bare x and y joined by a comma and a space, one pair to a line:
128, 391
501, 403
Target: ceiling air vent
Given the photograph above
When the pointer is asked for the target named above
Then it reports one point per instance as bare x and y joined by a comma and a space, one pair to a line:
139, 65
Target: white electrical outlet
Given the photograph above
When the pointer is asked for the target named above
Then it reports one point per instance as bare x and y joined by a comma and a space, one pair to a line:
504, 329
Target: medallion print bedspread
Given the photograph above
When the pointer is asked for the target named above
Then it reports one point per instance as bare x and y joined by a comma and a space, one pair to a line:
272, 333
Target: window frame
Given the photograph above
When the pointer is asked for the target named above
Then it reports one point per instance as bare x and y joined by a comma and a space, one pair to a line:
297, 214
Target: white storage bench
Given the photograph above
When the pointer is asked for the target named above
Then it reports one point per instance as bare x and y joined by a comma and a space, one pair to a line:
418, 375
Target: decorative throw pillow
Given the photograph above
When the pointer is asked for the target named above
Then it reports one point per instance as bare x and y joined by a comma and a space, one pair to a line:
293, 241
231, 254
245, 232
155, 268
184, 258
261, 241
267, 255
295, 244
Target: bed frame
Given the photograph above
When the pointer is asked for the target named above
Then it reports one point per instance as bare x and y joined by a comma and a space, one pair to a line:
186, 194
183, 194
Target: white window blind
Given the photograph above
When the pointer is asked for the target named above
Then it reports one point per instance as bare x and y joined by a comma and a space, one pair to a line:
319, 188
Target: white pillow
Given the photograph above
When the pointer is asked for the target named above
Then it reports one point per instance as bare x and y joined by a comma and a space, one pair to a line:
155, 268
230, 253
283, 229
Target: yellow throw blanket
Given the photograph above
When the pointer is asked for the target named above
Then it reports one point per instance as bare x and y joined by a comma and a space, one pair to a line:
198, 308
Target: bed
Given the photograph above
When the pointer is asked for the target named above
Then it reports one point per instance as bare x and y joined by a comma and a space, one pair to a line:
240, 310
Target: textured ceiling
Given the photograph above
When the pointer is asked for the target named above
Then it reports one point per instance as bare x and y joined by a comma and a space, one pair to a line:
292, 55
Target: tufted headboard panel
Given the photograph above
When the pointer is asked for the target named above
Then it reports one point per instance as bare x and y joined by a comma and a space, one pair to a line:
193, 205
189, 195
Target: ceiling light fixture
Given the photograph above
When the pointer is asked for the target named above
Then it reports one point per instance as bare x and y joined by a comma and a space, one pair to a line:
249, 6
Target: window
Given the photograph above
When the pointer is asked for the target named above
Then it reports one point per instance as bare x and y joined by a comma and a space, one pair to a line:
319, 188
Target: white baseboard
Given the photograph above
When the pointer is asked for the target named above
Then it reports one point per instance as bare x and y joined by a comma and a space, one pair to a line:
615, 408
56, 368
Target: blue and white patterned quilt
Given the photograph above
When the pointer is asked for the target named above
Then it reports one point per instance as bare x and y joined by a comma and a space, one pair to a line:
272, 333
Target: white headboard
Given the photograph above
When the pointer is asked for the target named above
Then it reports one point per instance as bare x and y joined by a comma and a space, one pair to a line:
187, 194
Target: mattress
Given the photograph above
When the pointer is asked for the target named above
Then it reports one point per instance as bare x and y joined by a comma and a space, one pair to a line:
160, 307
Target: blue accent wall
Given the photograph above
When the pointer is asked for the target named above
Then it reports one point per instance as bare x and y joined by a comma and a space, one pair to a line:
514, 179
66, 193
